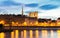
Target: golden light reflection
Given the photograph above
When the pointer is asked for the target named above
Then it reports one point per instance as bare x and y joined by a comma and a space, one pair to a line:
25, 33
16, 33
58, 33
52, 34
31, 34
44, 34
12, 34
21, 34
2, 35
37, 34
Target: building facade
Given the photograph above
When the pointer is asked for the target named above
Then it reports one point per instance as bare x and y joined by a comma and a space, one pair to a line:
33, 14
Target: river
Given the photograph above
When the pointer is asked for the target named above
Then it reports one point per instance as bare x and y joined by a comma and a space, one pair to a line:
31, 34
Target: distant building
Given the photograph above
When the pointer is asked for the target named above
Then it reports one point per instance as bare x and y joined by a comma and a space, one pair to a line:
17, 20
8, 19
53, 23
58, 21
33, 14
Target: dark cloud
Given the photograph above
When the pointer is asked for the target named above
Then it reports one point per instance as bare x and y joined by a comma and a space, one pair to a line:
56, 0
31, 5
9, 3
48, 7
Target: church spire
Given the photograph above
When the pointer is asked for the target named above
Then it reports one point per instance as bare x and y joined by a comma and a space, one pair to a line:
22, 10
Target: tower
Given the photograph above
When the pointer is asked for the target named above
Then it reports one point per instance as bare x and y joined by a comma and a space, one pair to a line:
33, 14
22, 10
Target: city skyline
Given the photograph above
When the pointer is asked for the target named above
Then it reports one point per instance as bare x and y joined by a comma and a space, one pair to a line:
46, 8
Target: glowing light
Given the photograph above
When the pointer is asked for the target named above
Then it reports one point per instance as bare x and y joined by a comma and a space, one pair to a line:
25, 34
16, 35
52, 34
12, 34
2, 22
53, 24
13, 24
31, 34
45, 24
58, 23
37, 34
36, 23
22, 34
24, 23
44, 34
17, 23
2, 35
58, 32
31, 23
42, 24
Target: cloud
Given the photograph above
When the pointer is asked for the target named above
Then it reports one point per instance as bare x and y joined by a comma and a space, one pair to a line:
9, 3
3, 11
56, 0
31, 5
50, 13
48, 7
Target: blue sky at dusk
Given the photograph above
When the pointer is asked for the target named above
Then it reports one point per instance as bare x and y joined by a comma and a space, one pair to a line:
46, 8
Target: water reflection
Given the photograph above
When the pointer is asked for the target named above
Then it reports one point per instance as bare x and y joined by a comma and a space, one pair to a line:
44, 34
52, 34
21, 34
31, 34
16, 34
2, 35
25, 34
37, 34
58, 33
12, 34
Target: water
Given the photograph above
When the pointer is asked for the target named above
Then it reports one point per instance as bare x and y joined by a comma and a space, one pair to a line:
31, 34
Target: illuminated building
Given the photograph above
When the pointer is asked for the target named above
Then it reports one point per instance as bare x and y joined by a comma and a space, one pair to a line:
24, 20
42, 22
17, 20
32, 21
49, 22
58, 22
33, 14
53, 23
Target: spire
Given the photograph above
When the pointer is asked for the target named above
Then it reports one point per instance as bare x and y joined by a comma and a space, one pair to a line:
22, 10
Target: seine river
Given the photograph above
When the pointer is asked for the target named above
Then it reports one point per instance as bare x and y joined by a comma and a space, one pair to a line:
31, 34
